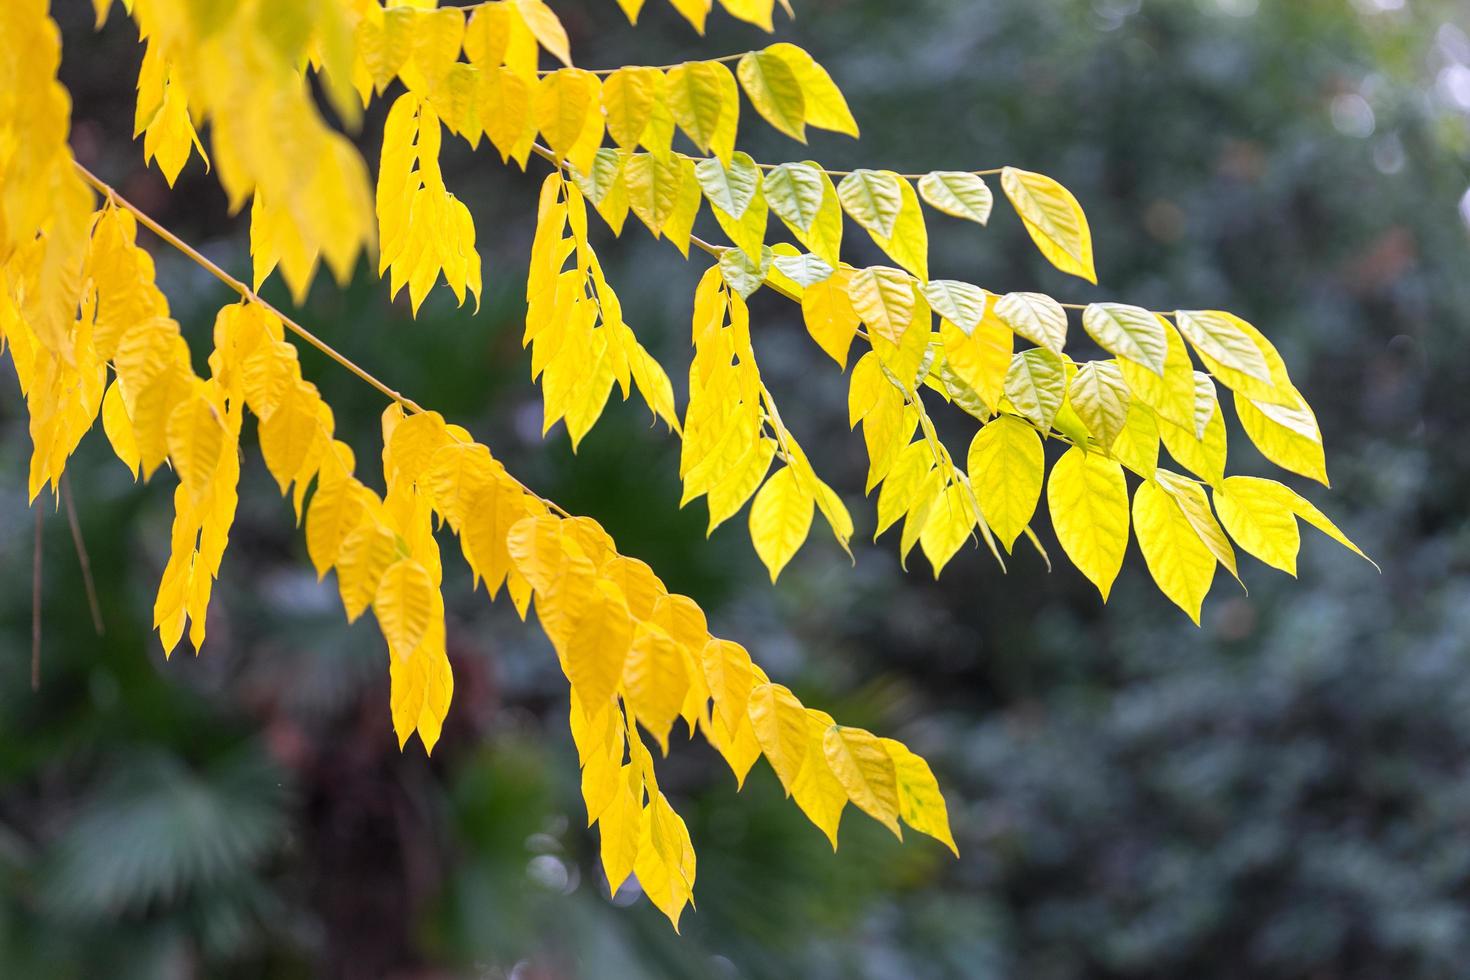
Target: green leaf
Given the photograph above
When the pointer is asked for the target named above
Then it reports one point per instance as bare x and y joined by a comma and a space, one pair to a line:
743, 275
729, 187
804, 270
1036, 384
874, 199
1129, 332
956, 193
958, 302
1219, 335
794, 191
1100, 397
1035, 316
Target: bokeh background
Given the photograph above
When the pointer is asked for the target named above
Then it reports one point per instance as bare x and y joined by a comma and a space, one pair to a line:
1282, 793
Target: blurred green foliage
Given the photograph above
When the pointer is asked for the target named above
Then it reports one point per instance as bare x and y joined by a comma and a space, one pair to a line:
1283, 793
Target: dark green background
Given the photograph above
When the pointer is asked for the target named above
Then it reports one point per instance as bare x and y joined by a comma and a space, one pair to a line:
1284, 792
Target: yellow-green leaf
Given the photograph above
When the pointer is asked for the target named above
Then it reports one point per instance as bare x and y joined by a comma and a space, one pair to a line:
1035, 316
919, 801
960, 303
1099, 396
957, 193
884, 299
1129, 332
774, 90
825, 106
1036, 385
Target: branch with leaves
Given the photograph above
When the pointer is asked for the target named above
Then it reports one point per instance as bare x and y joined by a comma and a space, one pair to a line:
90, 335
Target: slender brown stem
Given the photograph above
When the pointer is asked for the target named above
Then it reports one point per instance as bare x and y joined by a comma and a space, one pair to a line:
250, 295
82, 558
36, 602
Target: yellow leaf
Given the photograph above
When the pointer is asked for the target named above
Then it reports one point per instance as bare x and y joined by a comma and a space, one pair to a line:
337, 508
884, 298
618, 828
568, 105
774, 90
1261, 516
1170, 393
816, 790
980, 356
546, 26
731, 493
1287, 435
866, 771
950, 523
901, 483
729, 674
825, 106
757, 12
920, 803
1088, 500
780, 724
1006, 464
404, 604
1179, 561
780, 519
1195, 507
119, 428
665, 862
290, 433
596, 647
1203, 455
694, 11
655, 681
365, 555
830, 317
628, 98
1054, 220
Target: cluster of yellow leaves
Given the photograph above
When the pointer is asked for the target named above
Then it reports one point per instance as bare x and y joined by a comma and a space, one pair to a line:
45, 210
238, 68
635, 653
757, 12
422, 228
579, 343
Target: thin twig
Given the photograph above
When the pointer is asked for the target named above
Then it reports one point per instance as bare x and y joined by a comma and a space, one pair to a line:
82, 558
36, 602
